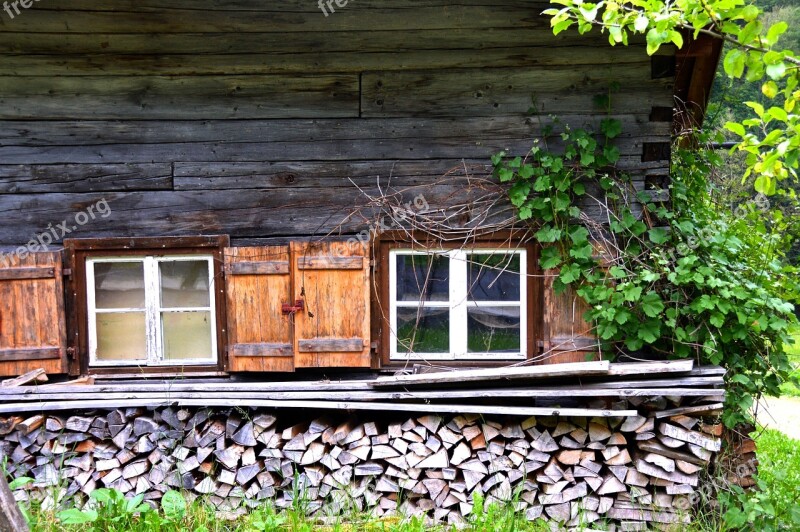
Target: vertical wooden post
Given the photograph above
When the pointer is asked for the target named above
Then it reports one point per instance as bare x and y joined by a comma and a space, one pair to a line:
11, 518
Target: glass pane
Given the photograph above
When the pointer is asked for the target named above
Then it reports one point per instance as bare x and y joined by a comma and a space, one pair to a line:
184, 284
494, 277
423, 330
119, 285
493, 329
423, 278
186, 335
121, 336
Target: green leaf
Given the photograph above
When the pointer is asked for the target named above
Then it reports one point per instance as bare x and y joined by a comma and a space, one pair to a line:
769, 89
611, 127
641, 23
73, 516
734, 63
548, 234
765, 184
173, 505
550, 258
652, 305
775, 31
776, 71
735, 127
658, 235
19, 482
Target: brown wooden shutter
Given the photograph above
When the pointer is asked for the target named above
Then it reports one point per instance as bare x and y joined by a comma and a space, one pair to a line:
567, 336
32, 320
258, 284
334, 328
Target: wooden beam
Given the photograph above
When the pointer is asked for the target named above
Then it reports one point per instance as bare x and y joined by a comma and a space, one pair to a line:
327, 345
498, 393
696, 410
330, 263
16, 274
11, 518
40, 353
490, 374
261, 350
259, 268
213, 400
649, 368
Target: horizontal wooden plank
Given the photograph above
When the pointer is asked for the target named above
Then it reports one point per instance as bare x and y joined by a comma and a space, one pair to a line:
37, 178
464, 394
258, 268
333, 345
179, 97
13, 274
321, 262
286, 132
215, 400
291, 58
275, 17
21, 354
495, 374
261, 350
490, 92
650, 368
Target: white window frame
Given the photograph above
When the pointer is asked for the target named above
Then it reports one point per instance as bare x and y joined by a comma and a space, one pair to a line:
458, 304
153, 311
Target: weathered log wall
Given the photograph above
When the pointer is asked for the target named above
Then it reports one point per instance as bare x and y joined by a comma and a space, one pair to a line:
636, 471
247, 118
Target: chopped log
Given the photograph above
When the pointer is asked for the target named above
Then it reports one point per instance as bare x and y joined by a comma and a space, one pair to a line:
632, 423
654, 471
36, 375
696, 438
655, 447
667, 464
29, 425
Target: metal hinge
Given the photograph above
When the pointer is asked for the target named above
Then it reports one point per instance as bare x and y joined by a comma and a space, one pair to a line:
71, 352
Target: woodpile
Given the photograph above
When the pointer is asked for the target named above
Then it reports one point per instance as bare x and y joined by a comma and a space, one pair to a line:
638, 471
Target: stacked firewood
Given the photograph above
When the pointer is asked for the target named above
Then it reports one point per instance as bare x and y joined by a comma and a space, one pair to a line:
636, 471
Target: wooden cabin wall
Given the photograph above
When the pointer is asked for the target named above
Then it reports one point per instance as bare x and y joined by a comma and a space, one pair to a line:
247, 118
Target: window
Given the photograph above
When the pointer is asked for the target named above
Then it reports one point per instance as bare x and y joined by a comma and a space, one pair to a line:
458, 304
148, 310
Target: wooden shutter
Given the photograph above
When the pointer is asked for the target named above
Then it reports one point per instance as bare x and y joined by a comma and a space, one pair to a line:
567, 336
32, 321
258, 284
333, 280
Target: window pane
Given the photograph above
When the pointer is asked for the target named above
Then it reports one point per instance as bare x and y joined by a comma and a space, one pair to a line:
119, 285
186, 335
423, 278
493, 329
423, 330
494, 277
184, 284
121, 336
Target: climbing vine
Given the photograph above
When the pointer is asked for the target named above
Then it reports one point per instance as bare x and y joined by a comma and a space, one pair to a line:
676, 279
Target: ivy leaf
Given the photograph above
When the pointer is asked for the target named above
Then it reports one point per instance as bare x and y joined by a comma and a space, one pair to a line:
550, 258
658, 235
649, 331
548, 234
652, 305
611, 128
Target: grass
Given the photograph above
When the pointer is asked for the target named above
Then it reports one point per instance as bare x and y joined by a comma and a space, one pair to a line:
790, 389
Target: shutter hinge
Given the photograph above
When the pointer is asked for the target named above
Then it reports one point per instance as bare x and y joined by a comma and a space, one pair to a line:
71, 353
66, 272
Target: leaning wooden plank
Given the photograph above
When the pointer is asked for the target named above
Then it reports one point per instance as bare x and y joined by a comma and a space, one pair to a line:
697, 438
321, 404
494, 374
650, 368
696, 410
87, 380
37, 375
11, 518
400, 395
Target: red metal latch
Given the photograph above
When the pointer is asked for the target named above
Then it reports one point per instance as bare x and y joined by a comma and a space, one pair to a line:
299, 306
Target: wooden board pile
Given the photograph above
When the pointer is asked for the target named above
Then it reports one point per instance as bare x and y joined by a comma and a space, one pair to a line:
638, 471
